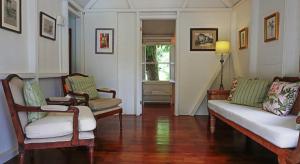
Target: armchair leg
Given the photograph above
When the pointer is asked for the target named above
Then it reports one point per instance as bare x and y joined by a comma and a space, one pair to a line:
21, 156
91, 154
121, 120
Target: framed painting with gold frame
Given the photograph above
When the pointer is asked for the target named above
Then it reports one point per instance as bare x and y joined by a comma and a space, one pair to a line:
203, 39
271, 27
243, 38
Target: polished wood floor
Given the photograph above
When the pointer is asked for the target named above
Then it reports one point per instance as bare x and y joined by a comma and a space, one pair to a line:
159, 137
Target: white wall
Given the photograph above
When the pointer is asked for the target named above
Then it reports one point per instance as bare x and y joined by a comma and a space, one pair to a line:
127, 60
14, 55
198, 69
29, 55
270, 54
241, 17
117, 70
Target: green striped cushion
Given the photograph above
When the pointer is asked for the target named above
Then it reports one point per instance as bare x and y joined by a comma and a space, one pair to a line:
250, 92
85, 85
34, 96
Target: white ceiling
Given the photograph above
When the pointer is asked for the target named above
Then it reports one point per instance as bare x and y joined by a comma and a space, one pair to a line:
157, 4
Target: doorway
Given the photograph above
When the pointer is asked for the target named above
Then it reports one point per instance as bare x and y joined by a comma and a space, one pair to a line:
158, 63
74, 23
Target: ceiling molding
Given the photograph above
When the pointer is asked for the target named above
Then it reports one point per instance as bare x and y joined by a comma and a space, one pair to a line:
75, 5
130, 4
184, 4
227, 3
90, 4
159, 10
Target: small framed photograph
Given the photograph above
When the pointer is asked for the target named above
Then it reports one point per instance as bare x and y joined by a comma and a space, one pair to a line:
243, 38
203, 39
47, 26
104, 41
11, 15
271, 27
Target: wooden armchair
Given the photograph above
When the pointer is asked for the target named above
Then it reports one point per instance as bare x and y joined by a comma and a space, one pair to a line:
35, 135
101, 107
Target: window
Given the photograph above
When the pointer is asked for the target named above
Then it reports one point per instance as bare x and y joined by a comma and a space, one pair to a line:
158, 62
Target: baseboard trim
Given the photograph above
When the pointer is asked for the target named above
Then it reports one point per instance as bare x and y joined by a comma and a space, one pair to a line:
9, 154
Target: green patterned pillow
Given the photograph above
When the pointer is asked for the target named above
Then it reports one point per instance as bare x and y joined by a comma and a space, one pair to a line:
34, 96
84, 84
250, 92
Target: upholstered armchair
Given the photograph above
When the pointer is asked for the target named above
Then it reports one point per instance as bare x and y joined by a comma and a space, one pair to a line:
76, 123
83, 89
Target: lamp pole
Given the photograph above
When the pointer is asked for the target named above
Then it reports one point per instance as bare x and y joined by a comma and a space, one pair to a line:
222, 62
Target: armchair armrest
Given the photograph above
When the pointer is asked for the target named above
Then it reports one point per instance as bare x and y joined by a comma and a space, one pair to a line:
107, 90
61, 101
72, 109
83, 95
217, 94
54, 108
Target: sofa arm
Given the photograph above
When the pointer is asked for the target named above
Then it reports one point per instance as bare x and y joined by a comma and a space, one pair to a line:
217, 94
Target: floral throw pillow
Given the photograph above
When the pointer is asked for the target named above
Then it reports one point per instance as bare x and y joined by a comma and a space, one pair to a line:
281, 97
232, 89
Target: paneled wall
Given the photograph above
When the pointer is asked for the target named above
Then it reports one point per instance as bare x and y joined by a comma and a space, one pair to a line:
31, 56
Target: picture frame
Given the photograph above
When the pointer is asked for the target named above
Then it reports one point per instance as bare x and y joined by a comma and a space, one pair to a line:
47, 26
243, 38
203, 39
11, 15
271, 27
104, 41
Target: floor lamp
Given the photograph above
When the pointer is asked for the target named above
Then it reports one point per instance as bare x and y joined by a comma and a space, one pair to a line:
222, 48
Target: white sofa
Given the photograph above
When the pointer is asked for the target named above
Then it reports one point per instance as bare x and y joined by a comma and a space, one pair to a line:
280, 131
276, 133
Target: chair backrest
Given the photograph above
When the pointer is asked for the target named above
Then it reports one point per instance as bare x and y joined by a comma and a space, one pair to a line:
66, 83
13, 90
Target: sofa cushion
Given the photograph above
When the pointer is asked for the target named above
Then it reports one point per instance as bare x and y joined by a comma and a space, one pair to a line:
250, 92
84, 84
281, 97
34, 96
61, 124
104, 103
278, 130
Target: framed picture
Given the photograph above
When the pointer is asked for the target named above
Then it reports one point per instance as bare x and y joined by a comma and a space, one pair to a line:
203, 39
271, 27
104, 41
243, 38
47, 26
11, 15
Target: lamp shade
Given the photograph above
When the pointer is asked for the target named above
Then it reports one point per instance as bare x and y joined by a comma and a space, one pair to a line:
222, 47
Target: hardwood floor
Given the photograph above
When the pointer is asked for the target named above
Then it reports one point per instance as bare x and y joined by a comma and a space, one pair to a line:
159, 137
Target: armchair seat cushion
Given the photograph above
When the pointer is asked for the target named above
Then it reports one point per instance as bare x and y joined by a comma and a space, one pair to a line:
60, 124
104, 103
82, 136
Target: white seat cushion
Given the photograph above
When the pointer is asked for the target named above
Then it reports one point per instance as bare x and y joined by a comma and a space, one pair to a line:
279, 130
61, 124
82, 136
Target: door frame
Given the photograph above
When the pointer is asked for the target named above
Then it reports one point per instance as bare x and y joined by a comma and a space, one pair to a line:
144, 16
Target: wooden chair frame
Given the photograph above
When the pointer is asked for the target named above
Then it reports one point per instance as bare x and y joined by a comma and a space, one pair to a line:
15, 108
85, 97
291, 156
